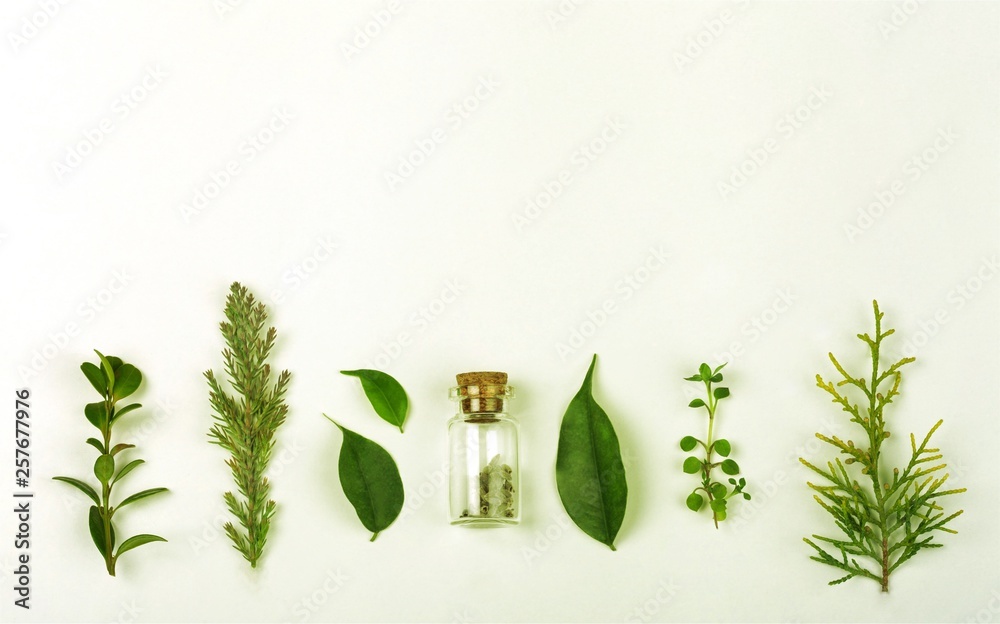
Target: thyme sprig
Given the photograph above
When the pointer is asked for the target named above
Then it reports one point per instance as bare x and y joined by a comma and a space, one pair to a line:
884, 520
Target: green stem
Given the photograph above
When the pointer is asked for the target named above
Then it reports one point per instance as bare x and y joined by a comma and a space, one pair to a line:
710, 406
106, 495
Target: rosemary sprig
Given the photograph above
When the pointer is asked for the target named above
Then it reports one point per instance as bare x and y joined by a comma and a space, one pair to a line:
887, 520
245, 425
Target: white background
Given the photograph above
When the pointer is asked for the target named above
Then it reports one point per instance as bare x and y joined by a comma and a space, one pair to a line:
696, 90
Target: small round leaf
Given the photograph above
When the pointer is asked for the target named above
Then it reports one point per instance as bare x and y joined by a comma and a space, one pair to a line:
718, 490
722, 447
692, 465
721, 393
104, 468
688, 443
696, 403
746, 496
730, 467
695, 501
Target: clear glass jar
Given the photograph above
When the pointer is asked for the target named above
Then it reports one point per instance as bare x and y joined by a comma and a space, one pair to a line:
483, 439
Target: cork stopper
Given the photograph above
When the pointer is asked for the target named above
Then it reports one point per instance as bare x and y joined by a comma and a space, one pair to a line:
482, 392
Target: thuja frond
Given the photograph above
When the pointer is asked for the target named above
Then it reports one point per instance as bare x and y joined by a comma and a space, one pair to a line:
245, 424
884, 521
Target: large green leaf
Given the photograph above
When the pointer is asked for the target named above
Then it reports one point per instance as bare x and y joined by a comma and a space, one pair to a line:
384, 393
96, 522
83, 487
127, 380
140, 495
590, 475
370, 481
137, 540
96, 377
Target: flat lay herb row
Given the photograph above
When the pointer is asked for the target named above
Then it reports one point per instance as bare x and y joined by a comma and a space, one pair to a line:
884, 516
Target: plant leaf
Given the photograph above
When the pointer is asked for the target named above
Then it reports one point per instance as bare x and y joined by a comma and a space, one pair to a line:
96, 377
137, 540
370, 480
109, 371
384, 393
721, 393
693, 378
104, 468
125, 410
97, 444
696, 403
705, 372
695, 501
692, 465
722, 447
97, 530
730, 467
716, 378
141, 495
127, 468
97, 414
688, 443
718, 490
590, 475
127, 380
118, 448
83, 487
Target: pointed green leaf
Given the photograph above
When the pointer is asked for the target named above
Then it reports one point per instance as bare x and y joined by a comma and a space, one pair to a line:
721, 393
137, 540
705, 372
97, 530
696, 403
118, 448
716, 378
125, 410
127, 468
688, 443
115, 362
590, 475
720, 367
97, 444
96, 377
370, 480
104, 468
695, 501
693, 378
83, 487
141, 495
730, 467
692, 465
384, 393
109, 371
97, 414
722, 447
127, 380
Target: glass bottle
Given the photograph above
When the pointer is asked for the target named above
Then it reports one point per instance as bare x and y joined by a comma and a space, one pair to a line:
483, 438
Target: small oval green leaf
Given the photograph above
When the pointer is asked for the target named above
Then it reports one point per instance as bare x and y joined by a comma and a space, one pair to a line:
721, 393
718, 490
384, 393
97, 414
688, 443
695, 501
705, 372
109, 371
590, 475
97, 444
83, 487
137, 540
127, 381
696, 403
716, 378
141, 495
722, 447
125, 410
370, 480
96, 377
118, 448
104, 468
692, 465
730, 467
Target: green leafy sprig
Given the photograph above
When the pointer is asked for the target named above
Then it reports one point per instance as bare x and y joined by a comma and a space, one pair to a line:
886, 518
245, 425
114, 380
717, 493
